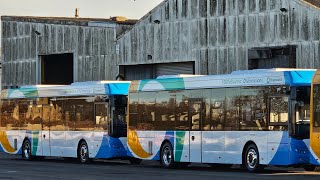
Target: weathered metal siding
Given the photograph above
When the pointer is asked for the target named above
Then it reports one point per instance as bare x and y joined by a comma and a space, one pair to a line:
217, 34
93, 49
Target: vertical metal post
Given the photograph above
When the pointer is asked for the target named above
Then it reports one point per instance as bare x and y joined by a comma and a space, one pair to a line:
38, 62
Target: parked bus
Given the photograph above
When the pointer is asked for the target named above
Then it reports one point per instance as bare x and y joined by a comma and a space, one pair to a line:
252, 118
82, 120
315, 120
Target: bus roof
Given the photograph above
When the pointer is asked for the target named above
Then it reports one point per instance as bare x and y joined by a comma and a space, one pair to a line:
75, 89
261, 77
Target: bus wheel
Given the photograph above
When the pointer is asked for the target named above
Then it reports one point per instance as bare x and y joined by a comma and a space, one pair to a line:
251, 158
135, 160
83, 152
26, 150
166, 158
309, 168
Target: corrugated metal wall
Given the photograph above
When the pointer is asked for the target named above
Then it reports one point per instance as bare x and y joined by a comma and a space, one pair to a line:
174, 69
217, 34
94, 49
214, 34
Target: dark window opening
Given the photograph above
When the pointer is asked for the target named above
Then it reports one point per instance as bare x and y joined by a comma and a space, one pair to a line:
57, 69
275, 57
152, 71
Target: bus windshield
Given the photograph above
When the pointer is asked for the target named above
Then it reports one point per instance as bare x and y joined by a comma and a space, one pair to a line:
301, 113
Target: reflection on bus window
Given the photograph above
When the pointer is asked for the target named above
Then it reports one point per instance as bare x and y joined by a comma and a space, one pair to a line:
101, 116
302, 112
278, 113
279, 109
316, 105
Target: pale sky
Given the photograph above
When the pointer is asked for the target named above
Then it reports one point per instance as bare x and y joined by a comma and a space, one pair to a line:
133, 9
88, 8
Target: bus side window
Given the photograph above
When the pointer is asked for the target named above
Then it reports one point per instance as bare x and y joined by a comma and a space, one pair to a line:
83, 115
278, 113
182, 110
23, 109
6, 115
215, 110
316, 105
101, 116
232, 109
252, 109
133, 110
165, 111
57, 122
36, 114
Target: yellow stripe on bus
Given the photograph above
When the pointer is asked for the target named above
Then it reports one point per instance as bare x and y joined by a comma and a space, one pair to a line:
5, 142
135, 146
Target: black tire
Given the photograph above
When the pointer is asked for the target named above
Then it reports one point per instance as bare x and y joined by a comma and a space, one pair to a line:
251, 159
83, 152
309, 168
167, 157
26, 150
135, 161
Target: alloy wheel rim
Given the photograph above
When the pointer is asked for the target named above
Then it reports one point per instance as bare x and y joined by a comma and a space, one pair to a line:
167, 157
27, 150
83, 152
252, 158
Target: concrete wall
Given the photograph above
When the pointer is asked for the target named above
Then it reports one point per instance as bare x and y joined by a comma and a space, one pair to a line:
217, 34
94, 47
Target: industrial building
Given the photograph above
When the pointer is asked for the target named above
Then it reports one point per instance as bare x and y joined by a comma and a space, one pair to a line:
176, 37
55, 50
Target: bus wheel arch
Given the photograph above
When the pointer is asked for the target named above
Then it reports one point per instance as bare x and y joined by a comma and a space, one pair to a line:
83, 151
309, 167
166, 154
26, 149
251, 157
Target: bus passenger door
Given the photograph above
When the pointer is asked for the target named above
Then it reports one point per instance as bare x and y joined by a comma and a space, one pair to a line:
278, 136
195, 118
45, 133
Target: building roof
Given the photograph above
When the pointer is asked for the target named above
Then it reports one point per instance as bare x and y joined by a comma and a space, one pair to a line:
313, 2
69, 20
143, 18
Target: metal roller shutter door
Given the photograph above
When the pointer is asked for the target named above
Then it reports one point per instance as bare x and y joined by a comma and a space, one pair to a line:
174, 68
138, 72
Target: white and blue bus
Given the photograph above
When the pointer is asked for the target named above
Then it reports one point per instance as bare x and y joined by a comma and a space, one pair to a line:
253, 118
82, 120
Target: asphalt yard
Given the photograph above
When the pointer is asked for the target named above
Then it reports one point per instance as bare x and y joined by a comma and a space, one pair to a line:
13, 167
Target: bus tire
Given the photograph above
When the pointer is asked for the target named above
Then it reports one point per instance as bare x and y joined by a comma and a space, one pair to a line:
309, 168
83, 152
26, 150
135, 161
167, 157
251, 158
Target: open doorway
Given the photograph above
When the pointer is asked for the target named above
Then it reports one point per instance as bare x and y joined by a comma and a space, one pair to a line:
272, 57
57, 69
